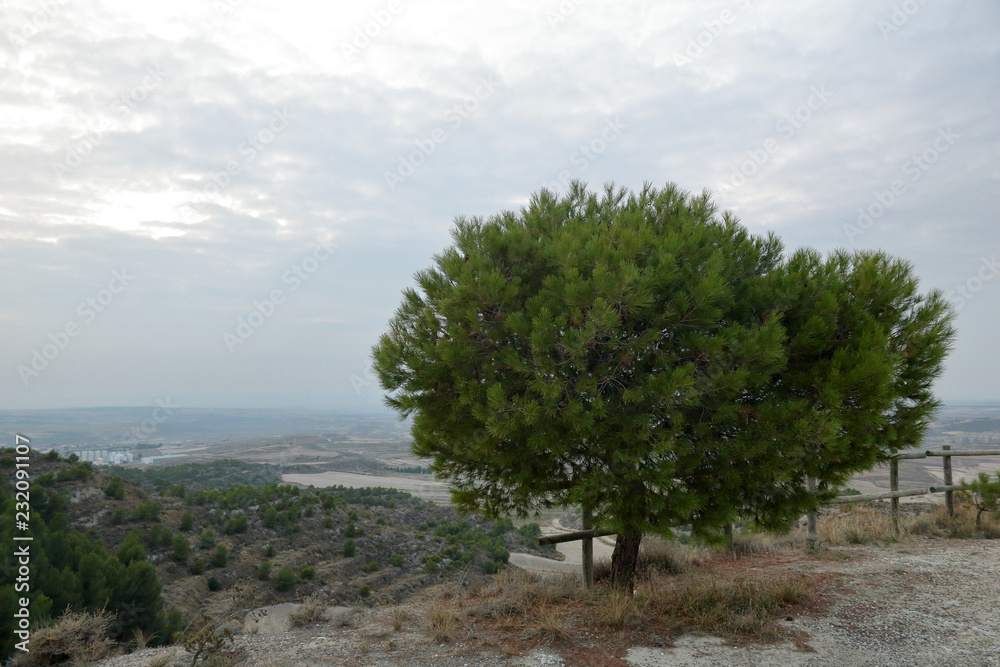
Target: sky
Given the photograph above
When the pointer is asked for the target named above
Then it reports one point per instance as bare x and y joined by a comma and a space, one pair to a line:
218, 203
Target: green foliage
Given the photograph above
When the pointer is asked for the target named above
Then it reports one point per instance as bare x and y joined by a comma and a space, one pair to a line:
51, 455
530, 531
148, 510
115, 488
373, 566
207, 539
270, 518
181, 548
307, 572
119, 516
646, 357
213, 584
198, 566
187, 522
131, 548
464, 543
349, 548
286, 579
264, 570
69, 569
78, 472
220, 557
200, 476
984, 494
269, 550
365, 591
236, 524
327, 523
396, 560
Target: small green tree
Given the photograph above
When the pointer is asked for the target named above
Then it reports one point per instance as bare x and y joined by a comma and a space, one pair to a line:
115, 488
207, 539
131, 548
180, 549
220, 557
643, 357
264, 570
286, 579
349, 548
187, 522
985, 495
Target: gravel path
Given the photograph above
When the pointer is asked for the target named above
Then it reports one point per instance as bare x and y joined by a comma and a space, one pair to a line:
932, 602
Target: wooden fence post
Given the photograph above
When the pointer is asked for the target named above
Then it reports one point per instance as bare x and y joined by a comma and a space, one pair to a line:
811, 486
588, 550
894, 486
949, 497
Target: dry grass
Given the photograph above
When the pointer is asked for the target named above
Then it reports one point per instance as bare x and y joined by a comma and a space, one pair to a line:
400, 618
857, 525
617, 609
961, 525
515, 592
546, 626
741, 606
310, 612
161, 661
79, 637
746, 545
441, 619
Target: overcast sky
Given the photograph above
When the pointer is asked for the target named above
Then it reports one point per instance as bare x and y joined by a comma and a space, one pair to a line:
218, 203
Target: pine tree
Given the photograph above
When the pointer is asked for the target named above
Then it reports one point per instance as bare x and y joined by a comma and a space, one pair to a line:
644, 357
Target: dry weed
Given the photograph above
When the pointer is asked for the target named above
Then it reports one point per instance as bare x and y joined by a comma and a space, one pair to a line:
440, 619
310, 612
400, 618
738, 606
80, 637
546, 626
618, 609
858, 525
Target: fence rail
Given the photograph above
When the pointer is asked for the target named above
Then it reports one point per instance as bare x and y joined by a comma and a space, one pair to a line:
894, 493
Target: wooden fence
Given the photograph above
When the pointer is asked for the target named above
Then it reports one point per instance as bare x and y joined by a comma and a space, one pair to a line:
894, 494
588, 533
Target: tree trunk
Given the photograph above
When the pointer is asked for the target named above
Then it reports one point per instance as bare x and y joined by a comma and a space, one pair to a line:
624, 560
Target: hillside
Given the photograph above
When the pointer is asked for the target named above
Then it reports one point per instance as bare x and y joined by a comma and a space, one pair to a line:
352, 546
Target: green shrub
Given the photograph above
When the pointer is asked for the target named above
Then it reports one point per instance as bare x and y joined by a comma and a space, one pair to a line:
207, 539
237, 524
213, 584
220, 557
187, 522
269, 551
285, 580
370, 567
197, 567
396, 560
115, 488
148, 510
349, 548
365, 591
264, 570
307, 572
180, 549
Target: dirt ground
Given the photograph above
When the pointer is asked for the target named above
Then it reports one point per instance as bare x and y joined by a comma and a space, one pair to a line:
921, 602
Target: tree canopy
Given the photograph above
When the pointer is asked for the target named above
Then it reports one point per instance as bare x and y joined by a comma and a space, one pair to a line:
643, 356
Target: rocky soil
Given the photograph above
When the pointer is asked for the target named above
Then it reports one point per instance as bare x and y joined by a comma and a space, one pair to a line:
922, 602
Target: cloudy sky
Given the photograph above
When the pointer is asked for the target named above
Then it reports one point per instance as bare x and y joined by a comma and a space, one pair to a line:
218, 202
